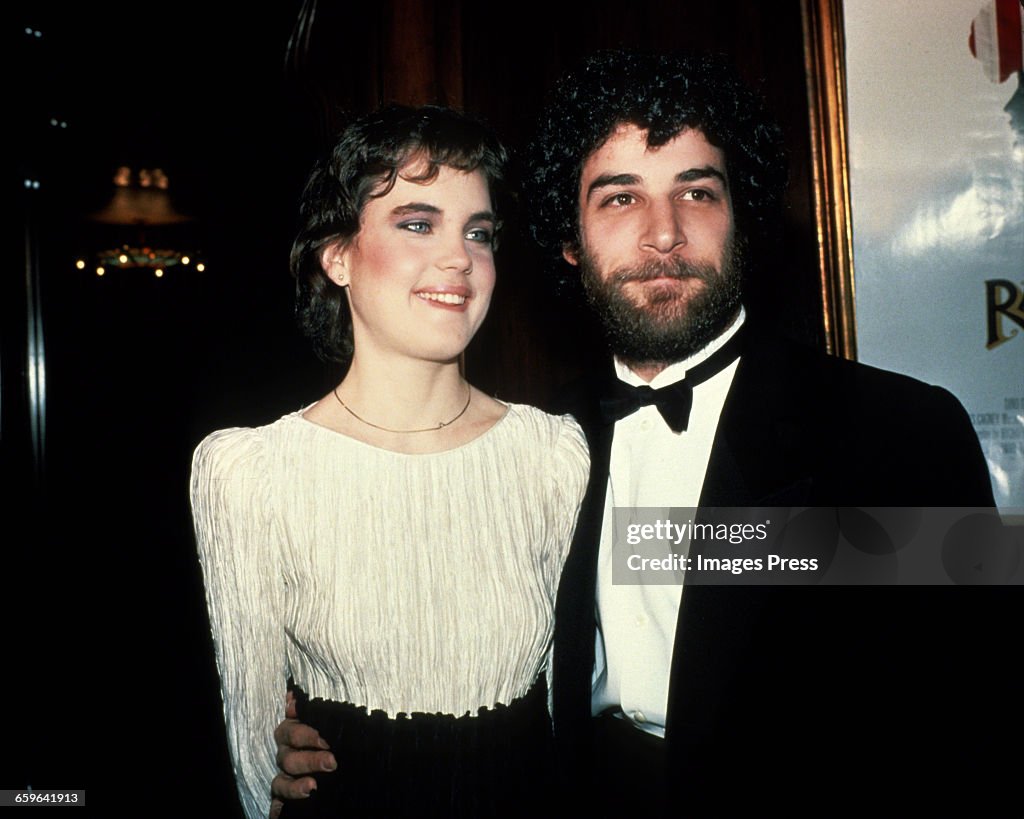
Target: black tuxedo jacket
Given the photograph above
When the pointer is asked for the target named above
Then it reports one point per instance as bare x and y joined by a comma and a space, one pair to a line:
812, 698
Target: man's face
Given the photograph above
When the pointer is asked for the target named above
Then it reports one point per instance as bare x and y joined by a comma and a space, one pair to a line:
658, 254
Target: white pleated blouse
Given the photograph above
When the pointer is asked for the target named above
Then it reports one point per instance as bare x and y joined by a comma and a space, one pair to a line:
405, 583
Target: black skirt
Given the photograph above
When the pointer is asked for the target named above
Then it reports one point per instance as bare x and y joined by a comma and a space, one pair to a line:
498, 763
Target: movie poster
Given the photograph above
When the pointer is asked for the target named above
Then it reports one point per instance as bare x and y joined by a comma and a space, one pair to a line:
936, 137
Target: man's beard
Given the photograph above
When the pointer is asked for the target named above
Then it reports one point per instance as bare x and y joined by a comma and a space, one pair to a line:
668, 324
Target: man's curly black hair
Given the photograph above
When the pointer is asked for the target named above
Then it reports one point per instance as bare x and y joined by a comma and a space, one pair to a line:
663, 94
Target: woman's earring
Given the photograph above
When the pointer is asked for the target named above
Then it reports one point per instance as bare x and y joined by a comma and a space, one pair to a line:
339, 278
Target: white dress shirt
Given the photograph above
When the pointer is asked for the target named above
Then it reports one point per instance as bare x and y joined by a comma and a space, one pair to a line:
651, 466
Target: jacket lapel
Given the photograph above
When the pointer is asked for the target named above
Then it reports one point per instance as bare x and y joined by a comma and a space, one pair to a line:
575, 612
765, 438
759, 459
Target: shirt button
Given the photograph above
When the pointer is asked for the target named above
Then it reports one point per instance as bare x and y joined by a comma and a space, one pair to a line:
640, 620
638, 716
645, 425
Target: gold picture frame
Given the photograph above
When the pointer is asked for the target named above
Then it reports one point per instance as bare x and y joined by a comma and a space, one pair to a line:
824, 59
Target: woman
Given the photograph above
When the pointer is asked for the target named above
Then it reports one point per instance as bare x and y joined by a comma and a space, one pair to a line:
393, 549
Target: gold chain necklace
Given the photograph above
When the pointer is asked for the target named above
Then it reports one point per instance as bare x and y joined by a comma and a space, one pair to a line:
440, 424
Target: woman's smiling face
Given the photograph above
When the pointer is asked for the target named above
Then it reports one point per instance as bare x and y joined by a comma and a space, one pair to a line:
420, 271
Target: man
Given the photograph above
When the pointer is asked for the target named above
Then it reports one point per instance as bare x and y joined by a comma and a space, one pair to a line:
653, 177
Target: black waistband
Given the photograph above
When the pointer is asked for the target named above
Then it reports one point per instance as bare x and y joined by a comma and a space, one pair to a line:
496, 763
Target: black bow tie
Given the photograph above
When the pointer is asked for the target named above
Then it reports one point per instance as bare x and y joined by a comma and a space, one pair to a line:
673, 401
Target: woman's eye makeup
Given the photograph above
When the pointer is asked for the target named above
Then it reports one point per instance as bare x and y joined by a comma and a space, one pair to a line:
416, 226
481, 235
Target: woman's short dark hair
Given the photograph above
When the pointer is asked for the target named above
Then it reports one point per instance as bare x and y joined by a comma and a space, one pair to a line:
365, 162
662, 94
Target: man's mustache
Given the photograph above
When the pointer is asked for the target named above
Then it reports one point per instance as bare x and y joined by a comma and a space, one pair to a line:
668, 269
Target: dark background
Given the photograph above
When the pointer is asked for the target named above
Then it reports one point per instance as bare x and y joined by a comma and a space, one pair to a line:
111, 677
